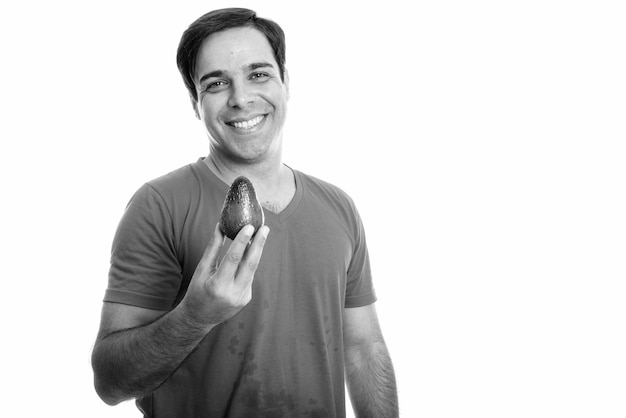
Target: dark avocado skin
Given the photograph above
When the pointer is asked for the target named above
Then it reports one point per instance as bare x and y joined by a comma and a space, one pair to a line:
241, 207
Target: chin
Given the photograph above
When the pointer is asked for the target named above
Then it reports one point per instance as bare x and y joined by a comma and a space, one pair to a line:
248, 156
253, 152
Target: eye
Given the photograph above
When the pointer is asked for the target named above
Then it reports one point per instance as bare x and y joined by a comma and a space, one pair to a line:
215, 86
259, 76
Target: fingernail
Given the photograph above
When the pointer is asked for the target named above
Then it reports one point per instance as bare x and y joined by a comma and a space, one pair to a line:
265, 230
248, 230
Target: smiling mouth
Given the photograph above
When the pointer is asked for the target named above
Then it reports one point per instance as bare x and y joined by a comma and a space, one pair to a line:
247, 124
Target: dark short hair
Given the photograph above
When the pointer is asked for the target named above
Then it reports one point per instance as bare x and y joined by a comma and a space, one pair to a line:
219, 20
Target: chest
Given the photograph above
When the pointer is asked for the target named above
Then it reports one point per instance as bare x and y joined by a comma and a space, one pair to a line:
278, 201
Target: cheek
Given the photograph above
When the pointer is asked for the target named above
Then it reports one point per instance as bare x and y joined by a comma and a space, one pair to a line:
211, 125
211, 105
209, 116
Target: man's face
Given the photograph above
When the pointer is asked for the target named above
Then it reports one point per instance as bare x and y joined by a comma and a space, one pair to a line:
242, 100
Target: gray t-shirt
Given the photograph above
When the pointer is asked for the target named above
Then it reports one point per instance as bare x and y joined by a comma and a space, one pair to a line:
280, 356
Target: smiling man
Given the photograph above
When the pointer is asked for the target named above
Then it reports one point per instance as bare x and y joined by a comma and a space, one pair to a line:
269, 326
242, 97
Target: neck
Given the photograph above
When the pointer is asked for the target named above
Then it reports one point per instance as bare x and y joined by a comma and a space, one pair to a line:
271, 180
227, 170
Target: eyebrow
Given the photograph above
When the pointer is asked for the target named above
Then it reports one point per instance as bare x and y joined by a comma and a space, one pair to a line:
249, 67
256, 65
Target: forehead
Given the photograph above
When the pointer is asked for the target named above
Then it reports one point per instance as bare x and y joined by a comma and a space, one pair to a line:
232, 49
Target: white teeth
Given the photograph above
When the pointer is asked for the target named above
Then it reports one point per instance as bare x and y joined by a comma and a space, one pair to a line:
249, 124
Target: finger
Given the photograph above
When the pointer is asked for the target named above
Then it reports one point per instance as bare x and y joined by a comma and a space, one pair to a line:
209, 257
251, 259
230, 263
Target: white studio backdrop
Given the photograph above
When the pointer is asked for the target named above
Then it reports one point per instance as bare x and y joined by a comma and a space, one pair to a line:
483, 143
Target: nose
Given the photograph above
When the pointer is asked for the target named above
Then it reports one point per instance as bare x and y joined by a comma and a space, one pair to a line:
240, 95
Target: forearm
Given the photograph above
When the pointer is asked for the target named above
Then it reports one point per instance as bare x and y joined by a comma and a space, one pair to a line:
134, 362
371, 381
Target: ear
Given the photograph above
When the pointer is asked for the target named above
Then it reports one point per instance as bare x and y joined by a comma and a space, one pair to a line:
286, 82
194, 104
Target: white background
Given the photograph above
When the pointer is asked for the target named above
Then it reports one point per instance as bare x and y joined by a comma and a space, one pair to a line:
482, 141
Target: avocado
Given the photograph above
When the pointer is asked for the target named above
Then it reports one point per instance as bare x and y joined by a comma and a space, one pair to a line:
241, 207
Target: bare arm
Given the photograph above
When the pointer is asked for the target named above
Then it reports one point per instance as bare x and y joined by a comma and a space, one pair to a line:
133, 362
138, 349
369, 371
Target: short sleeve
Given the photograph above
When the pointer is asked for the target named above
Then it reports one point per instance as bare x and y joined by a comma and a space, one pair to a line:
359, 286
144, 270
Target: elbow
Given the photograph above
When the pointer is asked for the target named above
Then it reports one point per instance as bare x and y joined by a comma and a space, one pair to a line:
102, 382
106, 394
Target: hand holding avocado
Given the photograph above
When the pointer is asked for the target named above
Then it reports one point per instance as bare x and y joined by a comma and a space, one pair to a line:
219, 290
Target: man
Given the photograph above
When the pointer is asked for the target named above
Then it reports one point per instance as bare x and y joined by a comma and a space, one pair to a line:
265, 326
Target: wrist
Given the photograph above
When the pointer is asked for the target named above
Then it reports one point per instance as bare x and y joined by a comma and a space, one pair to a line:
188, 312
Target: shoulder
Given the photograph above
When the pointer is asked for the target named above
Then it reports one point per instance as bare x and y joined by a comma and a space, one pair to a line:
181, 178
179, 185
170, 191
321, 188
322, 195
